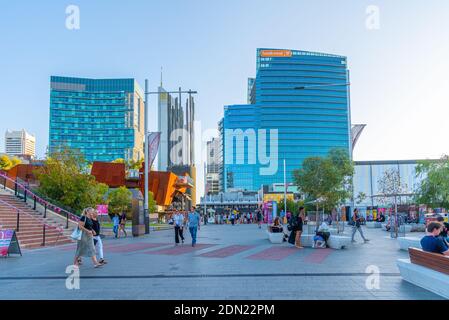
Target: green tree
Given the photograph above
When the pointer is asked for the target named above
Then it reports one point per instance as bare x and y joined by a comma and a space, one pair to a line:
326, 180
119, 160
119, 200
433, 190
15, 161
63, 179
361, 196
151, 202
5, 162
292, 206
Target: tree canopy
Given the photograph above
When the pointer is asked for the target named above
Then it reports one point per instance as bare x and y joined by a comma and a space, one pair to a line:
64, 179
433, 190
119, 200
326, 180
6, 162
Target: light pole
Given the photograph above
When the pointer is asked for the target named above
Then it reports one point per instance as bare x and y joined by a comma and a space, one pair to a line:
147, 161
285, 190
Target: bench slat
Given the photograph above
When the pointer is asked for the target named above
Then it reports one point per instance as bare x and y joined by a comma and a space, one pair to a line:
429, 260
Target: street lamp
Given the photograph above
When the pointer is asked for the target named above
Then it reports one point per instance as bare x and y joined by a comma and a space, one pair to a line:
147, 145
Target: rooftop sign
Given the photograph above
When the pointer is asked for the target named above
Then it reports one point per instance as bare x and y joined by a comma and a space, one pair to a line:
275, 53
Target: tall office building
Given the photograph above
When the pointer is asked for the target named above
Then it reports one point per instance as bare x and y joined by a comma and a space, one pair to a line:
20, 144
176, 124
177, 130
170, 118
214, 161
299, 117
102, 118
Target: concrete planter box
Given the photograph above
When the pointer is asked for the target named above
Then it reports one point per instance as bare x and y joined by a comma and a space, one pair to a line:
373, 224
338, 242
276, 237
428, 279
407, 242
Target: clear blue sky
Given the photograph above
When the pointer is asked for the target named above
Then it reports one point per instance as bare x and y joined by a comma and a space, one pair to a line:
399, 73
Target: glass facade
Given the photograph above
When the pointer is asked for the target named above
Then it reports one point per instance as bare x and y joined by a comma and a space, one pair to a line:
103, 119
368, 173
309, 121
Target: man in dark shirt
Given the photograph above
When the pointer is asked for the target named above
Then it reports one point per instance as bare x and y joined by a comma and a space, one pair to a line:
432, 242
444, 229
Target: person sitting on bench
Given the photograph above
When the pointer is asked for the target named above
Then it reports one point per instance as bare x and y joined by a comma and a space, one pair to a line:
276, 227
323, 232
432, 242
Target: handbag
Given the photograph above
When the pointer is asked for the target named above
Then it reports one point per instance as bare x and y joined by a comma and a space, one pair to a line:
76, 234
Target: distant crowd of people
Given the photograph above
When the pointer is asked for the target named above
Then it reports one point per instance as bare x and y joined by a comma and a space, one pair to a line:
236, 217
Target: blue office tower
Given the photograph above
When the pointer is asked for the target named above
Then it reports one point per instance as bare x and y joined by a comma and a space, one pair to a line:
101, 118
298, 105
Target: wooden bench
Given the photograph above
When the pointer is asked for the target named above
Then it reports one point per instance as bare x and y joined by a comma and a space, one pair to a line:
426, 270
434, 261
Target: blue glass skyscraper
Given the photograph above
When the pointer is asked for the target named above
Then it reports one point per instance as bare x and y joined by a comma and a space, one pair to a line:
103, 119
303, 98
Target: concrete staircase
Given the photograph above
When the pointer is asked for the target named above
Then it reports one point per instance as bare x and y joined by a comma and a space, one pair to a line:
31, 224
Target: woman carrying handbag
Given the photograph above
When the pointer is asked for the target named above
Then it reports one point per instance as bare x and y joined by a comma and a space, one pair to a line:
85, 246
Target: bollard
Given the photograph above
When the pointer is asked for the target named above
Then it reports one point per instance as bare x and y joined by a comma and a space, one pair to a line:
25, 195
45, 210
18, 220
34, 208
67, 220
43, 236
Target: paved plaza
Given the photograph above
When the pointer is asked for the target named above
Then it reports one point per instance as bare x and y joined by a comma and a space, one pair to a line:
229, 262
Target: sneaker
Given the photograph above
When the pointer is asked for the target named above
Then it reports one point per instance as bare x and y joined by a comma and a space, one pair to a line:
366, 240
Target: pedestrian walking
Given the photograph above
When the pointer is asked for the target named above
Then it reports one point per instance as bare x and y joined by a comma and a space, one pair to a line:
97, 238
116, 223
122, 226
259, 218
357, 219
178, 221
194, 224
85, 246
296, 225
232, 218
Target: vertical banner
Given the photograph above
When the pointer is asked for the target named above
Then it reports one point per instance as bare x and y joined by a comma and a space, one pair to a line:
153, 140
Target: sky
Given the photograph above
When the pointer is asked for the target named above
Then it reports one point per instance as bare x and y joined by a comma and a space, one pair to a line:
397, 54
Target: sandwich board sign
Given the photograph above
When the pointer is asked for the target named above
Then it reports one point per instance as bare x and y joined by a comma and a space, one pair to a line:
9, 243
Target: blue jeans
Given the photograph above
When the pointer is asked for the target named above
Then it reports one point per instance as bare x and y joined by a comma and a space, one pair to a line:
115, 230
193, 233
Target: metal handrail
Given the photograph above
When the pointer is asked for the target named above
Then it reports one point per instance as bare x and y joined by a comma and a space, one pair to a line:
44, 225
47, 204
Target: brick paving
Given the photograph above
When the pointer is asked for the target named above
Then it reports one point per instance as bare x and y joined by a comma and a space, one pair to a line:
227, 263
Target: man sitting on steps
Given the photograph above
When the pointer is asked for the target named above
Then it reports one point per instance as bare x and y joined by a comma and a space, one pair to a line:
432, 242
